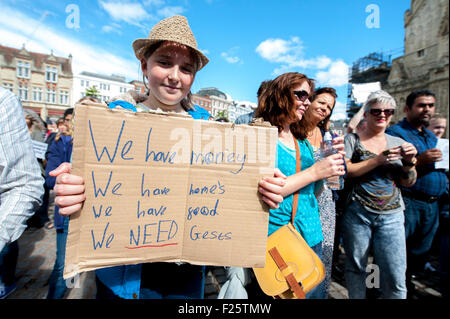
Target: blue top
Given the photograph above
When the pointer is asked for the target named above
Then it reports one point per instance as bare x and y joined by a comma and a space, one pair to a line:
125, 281
199, 113
430, 181
59, 152
307, 218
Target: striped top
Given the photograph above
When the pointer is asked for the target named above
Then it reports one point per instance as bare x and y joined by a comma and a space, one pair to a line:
21, 183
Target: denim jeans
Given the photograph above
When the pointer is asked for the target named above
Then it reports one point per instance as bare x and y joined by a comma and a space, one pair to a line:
8, 263
362, 230
421, 223
319, 291
164, 281
57, 286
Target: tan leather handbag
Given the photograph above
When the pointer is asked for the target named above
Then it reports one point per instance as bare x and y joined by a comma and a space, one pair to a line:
292, 268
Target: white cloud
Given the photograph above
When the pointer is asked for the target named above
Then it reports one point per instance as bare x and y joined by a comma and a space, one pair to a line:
339, 112
320, 62
170, 11
16, 28
231, 56
155, 3
280, 51
290, 55
131, 13
135, 13
230, 59
110, 28
336, 75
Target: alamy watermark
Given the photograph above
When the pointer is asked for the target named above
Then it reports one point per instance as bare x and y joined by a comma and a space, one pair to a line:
73, 19
241, 145
373, 19
373, 278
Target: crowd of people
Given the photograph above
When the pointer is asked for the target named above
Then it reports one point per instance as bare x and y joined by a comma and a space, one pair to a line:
390, 207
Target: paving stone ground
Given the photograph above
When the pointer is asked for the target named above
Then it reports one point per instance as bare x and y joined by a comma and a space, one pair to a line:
37, 252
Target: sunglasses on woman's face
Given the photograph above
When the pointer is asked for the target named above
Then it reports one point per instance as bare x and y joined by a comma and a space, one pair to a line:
302, 95
387, 112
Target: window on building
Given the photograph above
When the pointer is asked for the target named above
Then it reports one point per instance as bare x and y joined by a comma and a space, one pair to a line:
51, 96
37, 94
23, 69
23, 92
421, 53
82, 82
8, 86
63, 97
87, 83
51, 74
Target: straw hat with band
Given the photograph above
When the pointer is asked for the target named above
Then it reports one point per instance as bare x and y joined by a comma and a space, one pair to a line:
175, 29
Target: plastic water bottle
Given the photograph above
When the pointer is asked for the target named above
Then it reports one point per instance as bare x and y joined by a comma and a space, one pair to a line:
333, 182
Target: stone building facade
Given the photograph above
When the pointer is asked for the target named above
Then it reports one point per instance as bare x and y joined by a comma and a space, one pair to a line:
425, 62
42, 82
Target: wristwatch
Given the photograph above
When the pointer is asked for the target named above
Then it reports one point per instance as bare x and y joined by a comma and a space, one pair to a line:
412, 163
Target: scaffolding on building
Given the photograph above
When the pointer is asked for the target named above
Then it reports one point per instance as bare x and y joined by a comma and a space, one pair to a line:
374, 67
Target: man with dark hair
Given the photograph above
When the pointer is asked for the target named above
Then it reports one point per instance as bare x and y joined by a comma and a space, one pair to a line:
248, 117
411, 98
421, 200
68, 111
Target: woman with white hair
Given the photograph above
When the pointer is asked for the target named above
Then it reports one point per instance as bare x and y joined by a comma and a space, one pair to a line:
374, 217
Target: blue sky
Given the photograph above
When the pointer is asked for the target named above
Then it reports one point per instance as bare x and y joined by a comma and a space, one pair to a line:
247, 41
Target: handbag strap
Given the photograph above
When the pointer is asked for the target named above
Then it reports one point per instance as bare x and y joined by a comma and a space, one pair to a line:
290, 278
298, 167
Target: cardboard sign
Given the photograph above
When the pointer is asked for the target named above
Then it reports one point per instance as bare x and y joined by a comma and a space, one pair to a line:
39, 148
167, 188
442, 145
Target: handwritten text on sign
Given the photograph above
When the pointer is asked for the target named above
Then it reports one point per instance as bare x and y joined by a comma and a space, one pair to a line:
167, 188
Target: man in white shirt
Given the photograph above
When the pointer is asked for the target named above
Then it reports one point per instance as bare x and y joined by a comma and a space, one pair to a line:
21, 185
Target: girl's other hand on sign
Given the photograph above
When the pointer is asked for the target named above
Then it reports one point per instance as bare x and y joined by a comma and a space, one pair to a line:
69, 190
270, 188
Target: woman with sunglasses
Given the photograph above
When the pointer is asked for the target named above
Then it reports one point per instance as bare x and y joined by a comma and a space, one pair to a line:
283, 104
376, 163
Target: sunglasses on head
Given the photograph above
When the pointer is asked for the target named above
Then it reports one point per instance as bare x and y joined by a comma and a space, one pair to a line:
302, 95
387, 112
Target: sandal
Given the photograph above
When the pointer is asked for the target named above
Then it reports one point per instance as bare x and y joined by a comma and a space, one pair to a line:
49, 225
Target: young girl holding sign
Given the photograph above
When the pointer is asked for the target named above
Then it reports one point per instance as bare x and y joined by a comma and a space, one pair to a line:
169, 60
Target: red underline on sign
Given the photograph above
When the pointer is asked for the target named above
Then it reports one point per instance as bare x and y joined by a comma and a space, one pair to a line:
146, 246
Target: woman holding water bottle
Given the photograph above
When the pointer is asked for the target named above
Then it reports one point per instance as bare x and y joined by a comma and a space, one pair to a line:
377, 163
283, 104
319, 113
